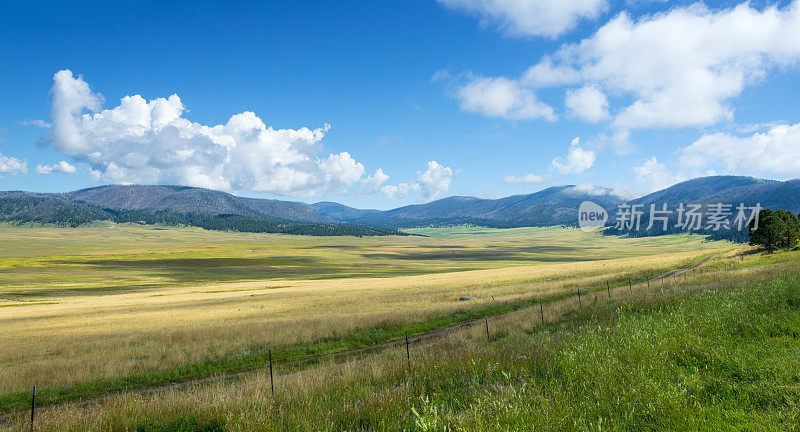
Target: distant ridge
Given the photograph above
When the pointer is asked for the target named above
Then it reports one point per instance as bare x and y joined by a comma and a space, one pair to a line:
183, 205
730, 190
184, 199
556, 205
174, 205
340, 212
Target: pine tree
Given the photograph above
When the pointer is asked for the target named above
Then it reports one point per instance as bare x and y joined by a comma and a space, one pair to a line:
770, 231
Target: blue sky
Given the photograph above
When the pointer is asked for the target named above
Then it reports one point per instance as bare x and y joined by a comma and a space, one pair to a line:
453, 97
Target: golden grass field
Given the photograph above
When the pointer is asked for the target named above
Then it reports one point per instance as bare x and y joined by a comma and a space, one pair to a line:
88, 304
380, 384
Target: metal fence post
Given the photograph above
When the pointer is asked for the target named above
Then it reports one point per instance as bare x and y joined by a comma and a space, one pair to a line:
408, 352
33, 406
271, 382
541, 310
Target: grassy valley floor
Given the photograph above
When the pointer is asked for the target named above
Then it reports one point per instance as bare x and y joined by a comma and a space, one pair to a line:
717, 352
77, 339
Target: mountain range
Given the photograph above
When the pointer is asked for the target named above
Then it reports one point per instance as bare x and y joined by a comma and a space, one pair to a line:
707, 191
182, 205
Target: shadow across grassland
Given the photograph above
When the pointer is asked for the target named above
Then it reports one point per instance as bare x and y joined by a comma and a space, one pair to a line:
292, 260
492, 253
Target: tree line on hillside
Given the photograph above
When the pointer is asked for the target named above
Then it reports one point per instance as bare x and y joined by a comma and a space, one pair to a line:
232, 222
776, 229
49, 210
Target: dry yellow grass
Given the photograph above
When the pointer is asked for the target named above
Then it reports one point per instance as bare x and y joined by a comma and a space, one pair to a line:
248, 404
39, 261
87, 337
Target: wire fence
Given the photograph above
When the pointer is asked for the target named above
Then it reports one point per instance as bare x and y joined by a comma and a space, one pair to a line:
38, 400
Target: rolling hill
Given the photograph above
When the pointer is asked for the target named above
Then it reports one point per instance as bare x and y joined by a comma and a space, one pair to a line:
340, 212
181, 205
556, 205
705, 191
183, 199
174, 205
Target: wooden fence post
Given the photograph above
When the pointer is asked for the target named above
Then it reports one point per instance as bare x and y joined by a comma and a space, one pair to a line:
579, 298
608, 289
486, 320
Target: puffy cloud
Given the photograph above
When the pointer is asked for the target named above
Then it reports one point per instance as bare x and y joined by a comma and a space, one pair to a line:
376, 180
547, 74
502, 97
399, 190
11, 165
143, 141
526, 179
577, 160
682, 67
588, 103
60, 167
531, 17
679, 68
435, 181
432, 183
774, 152
71, 97
341, 169
653, 175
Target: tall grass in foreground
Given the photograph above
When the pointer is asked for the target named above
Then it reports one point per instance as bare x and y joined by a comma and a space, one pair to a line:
721, 354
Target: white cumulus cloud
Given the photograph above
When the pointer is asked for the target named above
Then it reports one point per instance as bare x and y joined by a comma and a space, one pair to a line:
502, 97
684, 66
548, 74
653, 175
376, 180
531, 17
141, 141
774, 152
588, 103
435, 181
577, 160
432, 183
59, 167
678, 68
399, 190
12, 165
